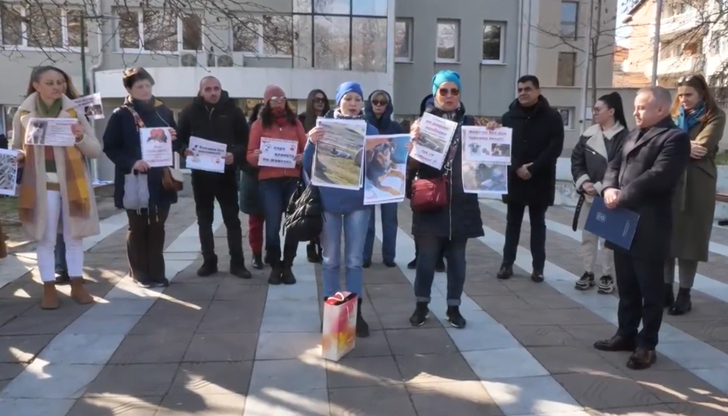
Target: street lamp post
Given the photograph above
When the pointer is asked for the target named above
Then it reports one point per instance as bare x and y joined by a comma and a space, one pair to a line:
656, 42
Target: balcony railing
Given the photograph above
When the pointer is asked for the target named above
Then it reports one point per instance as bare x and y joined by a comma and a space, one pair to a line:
675, 65
678, 23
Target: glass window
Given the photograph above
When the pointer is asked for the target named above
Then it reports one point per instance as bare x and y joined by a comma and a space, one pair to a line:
369, 46
302, 6
11, 24
566, 69
277, 36
331, 40
332, 6
569, 18
403, 40
245, 35
129, 37
370, 7
191, 33
45, 28
448, 39
73, 28
159, 31
493, 42
302, 41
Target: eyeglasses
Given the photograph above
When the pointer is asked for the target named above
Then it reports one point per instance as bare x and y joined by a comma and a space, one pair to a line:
444, 92
282, 98
318, 100
380, 103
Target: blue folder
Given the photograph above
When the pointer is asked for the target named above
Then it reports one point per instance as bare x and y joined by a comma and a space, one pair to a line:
616, 225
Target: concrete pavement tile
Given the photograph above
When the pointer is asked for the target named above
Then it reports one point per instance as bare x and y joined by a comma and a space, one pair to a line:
157, 348
501, 302
196, 405
152, 324
253, 293
604, 391
207, 379
299, 291
292, 316
705, 407
394, 291
589, 334
8, 371
138, 380
281, 346
543, 316
179, 307
191, 291
654, 410
362, 372
278, 402
22, 348
115, 307
434, 368
504, 363
419, 341
619, 361
41, 380
715, 376
69, 348
69, 309
221, 347
373, 346
455, 398
567, 359
35, 407
485, 287
115, 404
476, 337
548, 298
107, 325
531, 396
542, 336
37, 325
677, 386
12, 307
371, 401
231, 317
397, 316
694, 355
287, 375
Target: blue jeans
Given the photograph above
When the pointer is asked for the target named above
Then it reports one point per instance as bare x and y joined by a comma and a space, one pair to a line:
355, 230
275, 195
389, 233
60, 252
429, 253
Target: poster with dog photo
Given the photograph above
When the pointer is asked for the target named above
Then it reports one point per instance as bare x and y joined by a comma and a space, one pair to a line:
337, 162
485, 178
385, 162
156, 147
483, 145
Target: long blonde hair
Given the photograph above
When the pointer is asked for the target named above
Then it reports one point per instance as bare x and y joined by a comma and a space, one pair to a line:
38, 73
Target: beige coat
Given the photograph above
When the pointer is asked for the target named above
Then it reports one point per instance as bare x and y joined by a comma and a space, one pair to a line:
89, 146
694, 203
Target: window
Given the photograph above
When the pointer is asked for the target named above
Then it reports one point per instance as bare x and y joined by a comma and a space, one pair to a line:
264, 35
569, 18
40, 26
448, 40
403, 40
493, 42
158, 31
340, 34
566, 69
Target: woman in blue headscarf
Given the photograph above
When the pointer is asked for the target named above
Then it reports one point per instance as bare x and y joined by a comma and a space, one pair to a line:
451, 226
695, 111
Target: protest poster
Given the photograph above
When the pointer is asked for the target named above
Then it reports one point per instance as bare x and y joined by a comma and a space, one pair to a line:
337, 162
434, 141
91, 106
50, 132
8, 172
206, 155
385, 164
277, 153
481, 144
156, 146
485, 178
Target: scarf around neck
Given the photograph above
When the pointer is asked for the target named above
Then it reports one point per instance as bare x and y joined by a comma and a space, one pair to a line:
686, 120
338, 114
51, 111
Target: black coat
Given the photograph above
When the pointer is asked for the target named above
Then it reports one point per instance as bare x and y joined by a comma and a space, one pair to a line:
461, 218
223, 122
647, 171
538, 138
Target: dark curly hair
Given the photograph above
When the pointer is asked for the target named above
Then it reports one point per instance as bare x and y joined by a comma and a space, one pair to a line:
266, 115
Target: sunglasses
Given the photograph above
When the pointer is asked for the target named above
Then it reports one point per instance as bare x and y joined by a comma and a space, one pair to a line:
380, 103
444, 92
318, 101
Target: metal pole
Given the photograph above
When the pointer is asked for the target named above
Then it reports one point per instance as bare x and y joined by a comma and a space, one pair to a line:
84, 80
587, 62
656, 42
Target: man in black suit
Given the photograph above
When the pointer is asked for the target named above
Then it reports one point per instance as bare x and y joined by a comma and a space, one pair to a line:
642, 178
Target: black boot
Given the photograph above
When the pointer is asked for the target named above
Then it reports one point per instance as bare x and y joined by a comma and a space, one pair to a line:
455, 318
238, 269
289, 254
276, 273
682, 304
505, 272
362, 327
209, 267
258, 261
420, 315
312, 252
412, 265
669, 296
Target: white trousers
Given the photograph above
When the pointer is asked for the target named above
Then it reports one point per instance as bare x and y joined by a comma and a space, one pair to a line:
46, 246
590, 247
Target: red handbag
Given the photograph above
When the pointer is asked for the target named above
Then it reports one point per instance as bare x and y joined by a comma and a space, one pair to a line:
429, 194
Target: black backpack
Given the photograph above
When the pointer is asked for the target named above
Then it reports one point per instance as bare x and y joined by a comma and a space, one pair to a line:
305, 213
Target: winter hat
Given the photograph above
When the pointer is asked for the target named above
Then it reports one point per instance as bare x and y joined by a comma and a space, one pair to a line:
443, 77
346, 88
272, 91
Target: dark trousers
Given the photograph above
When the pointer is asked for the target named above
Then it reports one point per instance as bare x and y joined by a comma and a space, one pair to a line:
275, 194
145, 244
208, 187
641, 287
430, 249
417, 252
514, 220
60, 253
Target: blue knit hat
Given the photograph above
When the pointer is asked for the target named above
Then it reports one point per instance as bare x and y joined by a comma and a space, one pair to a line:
443, 77
346, 88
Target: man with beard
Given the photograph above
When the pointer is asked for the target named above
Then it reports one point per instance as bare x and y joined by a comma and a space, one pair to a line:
214, 116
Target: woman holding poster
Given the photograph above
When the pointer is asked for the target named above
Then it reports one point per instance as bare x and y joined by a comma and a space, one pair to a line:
447, 224
56, 185
276, 149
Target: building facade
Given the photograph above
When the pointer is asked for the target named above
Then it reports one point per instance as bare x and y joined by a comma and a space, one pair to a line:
396, 45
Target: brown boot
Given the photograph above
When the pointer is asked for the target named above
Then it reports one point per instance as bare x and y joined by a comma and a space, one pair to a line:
78, 293
50, 296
